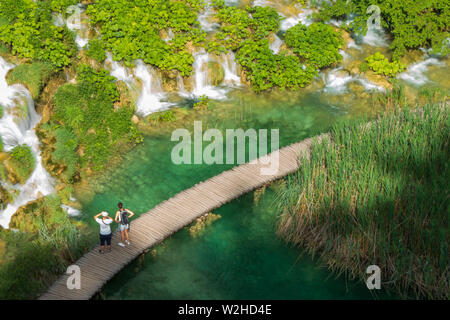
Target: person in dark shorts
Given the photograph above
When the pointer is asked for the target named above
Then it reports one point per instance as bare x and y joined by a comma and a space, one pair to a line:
122, 218
105, 230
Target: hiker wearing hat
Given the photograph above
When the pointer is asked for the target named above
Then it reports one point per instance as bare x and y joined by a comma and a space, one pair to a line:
105, 230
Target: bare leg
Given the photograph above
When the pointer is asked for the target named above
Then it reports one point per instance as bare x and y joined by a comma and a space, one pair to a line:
122, 235
126, 234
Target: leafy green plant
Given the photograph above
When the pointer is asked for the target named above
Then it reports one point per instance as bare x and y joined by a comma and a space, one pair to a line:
22, 162
318, 44
34, 76
379, 64
96, 50
66, 150
165, 116
93, 125
202, 102
412, 23
131, 30
27, 27
265, 69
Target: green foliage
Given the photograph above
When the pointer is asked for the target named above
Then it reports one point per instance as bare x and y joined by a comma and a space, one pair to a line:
48, 241
381, 65
240, 25
130, 30
96, 50
377, 194
265, 69
245, 31
22, 162
165, 116
318, 44
66, 150
34, 76
412, 23
62, 5
86, 110
27, 26
94, 82
202, 102
2, 111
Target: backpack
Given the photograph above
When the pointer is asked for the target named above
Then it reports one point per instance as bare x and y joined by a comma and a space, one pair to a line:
124, 217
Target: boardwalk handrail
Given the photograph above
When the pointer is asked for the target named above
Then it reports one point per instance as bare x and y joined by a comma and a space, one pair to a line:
173, 214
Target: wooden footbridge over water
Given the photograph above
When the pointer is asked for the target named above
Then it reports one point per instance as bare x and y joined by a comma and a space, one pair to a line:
173, 214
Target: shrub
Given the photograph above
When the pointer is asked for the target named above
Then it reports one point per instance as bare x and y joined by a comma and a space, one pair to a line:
265, 69
96, 50
318, 44
22, 162
130, 30
28, 28
92, 122
381, 65
66, 150
34, 76
412, 23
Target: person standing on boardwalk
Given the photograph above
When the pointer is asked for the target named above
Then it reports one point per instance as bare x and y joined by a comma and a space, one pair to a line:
105, 230
122, 218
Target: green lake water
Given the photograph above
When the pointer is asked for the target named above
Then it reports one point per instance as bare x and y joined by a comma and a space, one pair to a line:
239, 256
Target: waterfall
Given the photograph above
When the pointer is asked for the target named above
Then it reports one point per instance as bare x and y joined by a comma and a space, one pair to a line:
336, 82
302, 17
231, 69
151, 96
117, 70
202, 85
75, 24
205, 18
15, 131
415, 74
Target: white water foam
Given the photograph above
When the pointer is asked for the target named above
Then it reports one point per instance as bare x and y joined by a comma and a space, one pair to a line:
415, 74
151, 98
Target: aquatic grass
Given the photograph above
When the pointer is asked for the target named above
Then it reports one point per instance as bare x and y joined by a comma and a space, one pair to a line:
377, 194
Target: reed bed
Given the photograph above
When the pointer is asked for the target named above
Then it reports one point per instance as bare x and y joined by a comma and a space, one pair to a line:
377, 194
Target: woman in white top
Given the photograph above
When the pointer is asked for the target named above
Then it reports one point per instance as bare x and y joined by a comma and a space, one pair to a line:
105, 230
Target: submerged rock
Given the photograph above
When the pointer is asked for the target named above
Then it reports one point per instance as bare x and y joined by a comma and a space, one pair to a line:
378, 80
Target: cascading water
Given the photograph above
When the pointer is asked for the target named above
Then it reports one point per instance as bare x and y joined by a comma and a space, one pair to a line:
205, 18
201, 84
75, 24
18, 130
151, 98
415, 74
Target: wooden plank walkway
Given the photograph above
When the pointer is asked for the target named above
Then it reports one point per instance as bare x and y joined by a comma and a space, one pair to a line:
171, 215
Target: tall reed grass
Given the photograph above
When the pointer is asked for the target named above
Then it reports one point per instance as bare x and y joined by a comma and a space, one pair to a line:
377, 194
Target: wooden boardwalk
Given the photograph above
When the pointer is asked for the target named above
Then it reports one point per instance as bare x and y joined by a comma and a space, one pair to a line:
170, 216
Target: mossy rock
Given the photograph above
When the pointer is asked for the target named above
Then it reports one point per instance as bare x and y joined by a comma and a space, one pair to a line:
5, 197
34, 76
378, 79
20, 164
44, 211
411, 57
356, 87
